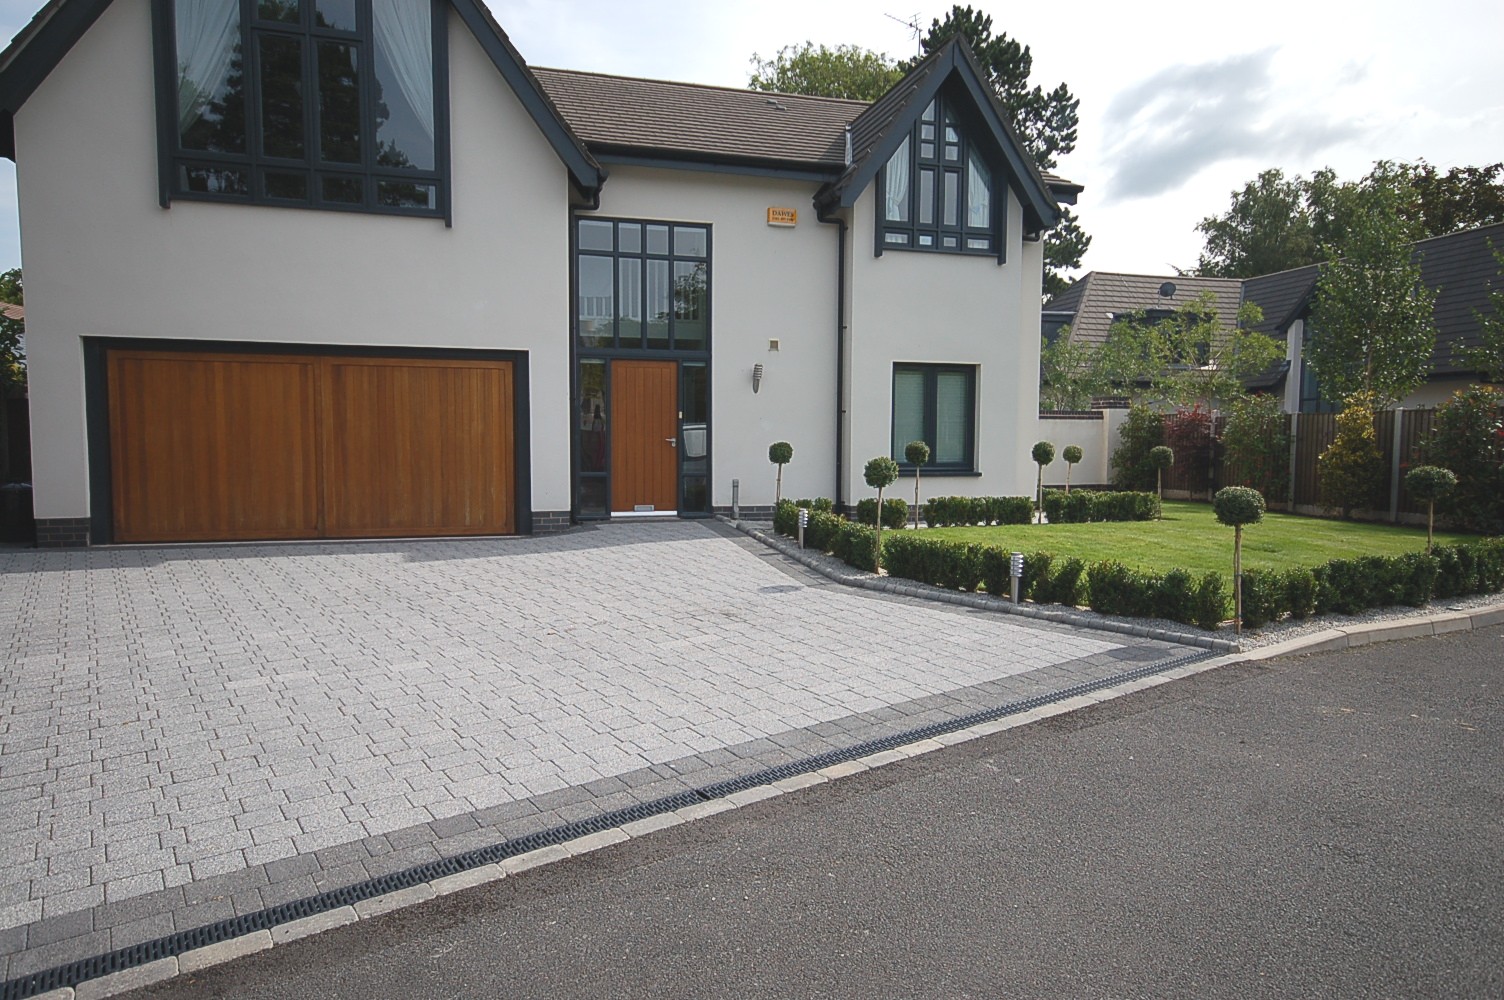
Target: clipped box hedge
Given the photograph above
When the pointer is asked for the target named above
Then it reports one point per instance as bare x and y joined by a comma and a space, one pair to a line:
895, 512
828, 532
1082, 506
963, 512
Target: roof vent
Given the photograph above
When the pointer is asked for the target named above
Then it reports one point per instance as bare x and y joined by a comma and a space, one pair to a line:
774, 102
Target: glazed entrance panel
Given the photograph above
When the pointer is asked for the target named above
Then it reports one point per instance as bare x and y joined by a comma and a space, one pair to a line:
644, 436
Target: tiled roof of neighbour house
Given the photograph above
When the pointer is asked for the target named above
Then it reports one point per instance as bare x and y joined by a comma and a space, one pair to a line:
1281, 297
1462, 269
12, 311
620, 114
1098, 296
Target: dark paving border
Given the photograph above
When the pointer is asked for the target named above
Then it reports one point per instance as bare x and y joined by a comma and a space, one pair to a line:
73, 948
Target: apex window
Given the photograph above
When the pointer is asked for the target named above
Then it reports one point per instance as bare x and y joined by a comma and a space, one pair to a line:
936, 404
936, 191
334, 104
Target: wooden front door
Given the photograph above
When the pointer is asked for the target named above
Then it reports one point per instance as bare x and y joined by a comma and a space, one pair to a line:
644, 435
221, 447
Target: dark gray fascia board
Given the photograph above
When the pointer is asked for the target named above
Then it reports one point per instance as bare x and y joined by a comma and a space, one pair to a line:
35, 52
584, 171
712, 164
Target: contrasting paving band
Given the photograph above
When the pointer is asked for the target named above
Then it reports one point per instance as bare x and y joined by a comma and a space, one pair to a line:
196, 735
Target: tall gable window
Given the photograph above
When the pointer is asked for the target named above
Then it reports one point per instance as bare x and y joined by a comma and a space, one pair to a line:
937, 190
334, 104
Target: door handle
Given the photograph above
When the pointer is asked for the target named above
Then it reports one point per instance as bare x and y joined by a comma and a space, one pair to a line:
672, 442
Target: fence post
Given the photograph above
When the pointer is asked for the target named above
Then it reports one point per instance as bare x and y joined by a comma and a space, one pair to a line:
1294, 457
1394, 466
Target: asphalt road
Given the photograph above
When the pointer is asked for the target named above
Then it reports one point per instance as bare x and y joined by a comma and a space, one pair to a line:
1324, 826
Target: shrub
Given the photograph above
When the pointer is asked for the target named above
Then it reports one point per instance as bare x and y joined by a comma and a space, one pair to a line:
1114, 589
1209, 602
821, 530
1351, 470
1125, 506
786, 518
1175, 596
1065, 583
951, 512
855, 545
1008, 510
1131, 468
1237, 506
895, 512
1264, 597
1299, 586
1468, 438
1257, 443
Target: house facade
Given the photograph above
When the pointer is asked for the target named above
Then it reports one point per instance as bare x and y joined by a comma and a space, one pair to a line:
351, 268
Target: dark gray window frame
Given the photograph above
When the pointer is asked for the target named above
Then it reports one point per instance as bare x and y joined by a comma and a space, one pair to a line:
170, 155
580, 352
968, 465
997, 229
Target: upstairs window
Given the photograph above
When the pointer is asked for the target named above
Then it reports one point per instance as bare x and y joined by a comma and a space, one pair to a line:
936, 191
332, 104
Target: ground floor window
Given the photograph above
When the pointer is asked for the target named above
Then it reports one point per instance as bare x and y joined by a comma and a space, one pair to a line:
936, 404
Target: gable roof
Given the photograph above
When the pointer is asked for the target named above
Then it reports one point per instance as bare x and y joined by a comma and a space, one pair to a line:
1099, 296
877, 133
51, 34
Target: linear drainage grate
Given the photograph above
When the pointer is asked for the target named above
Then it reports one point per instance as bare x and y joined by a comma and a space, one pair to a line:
130, 957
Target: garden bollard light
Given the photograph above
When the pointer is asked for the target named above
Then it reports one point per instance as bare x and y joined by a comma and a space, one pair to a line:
736, 501
803, 521
1016, 571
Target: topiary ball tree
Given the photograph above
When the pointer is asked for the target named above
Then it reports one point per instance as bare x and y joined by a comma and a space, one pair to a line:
1161, 457
916, 453
1072, 455
780, 453
1043, 454
1237, 506
1430, 483
880, 473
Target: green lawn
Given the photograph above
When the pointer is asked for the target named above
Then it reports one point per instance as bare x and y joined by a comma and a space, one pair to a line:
1189, 537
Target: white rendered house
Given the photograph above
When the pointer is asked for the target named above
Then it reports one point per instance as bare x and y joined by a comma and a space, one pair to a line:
350, 268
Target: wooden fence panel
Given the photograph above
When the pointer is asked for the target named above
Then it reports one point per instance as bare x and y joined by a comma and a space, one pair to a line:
1314, 432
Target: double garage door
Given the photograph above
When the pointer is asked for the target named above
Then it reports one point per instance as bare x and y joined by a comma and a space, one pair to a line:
220, 446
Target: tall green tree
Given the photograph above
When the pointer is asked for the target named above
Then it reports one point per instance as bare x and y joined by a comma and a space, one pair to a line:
848, 71
12, 359
1267, 228
1461, 198
1373, 324
1046, 121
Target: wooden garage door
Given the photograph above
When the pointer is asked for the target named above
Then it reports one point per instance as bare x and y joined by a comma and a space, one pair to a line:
236, 446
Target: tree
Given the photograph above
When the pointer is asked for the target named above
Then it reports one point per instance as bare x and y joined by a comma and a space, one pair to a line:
12, 358
780, 453
847, 71
1046, 121
1072, 454
880, 473
1161, 456
1373, 324
1487, 357
1461, 198
1043, 454
1266, 229
1351, 469
1236, 506
1430, 483
1070, 376
916, 453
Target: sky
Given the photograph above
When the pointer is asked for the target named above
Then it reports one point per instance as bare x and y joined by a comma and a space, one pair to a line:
1181, 103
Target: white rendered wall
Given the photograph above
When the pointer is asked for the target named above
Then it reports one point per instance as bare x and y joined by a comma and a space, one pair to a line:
766, 283
947, 309
103, 259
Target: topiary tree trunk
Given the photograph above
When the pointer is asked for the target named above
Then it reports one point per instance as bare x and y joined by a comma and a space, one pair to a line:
1072, 455
916, 453
1161, 457
780, 453
1043, 454
880, 473
1237, 506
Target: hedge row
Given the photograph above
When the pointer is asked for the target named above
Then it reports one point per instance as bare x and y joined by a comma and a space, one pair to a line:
1081, 506
855, 544
895, 512
951, 512
1346, 586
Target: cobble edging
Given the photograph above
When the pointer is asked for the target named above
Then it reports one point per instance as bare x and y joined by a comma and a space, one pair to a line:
913, 588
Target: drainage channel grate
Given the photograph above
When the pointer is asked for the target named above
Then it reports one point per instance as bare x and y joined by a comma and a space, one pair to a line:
130, 957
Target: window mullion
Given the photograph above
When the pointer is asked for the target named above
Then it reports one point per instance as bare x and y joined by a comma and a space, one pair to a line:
932, 410
365, 24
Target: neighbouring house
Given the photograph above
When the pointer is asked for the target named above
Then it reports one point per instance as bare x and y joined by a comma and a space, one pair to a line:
354, 269
1459, 266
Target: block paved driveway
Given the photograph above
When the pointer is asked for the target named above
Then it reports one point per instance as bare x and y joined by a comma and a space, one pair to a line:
191, 733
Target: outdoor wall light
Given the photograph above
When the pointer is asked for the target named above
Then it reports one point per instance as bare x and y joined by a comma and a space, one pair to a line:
756, 377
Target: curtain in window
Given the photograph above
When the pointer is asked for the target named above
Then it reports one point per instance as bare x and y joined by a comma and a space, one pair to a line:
208, 32
896, 186
908, 410
952, 417
404, 37
978, 194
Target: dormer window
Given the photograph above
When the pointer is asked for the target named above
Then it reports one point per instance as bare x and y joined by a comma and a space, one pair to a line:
334, 104
936, 191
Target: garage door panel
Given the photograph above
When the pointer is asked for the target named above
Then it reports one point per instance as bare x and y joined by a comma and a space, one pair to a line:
212, 447
447, 424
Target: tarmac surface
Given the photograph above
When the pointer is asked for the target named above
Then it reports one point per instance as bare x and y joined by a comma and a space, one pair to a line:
1322, 825
201, 734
